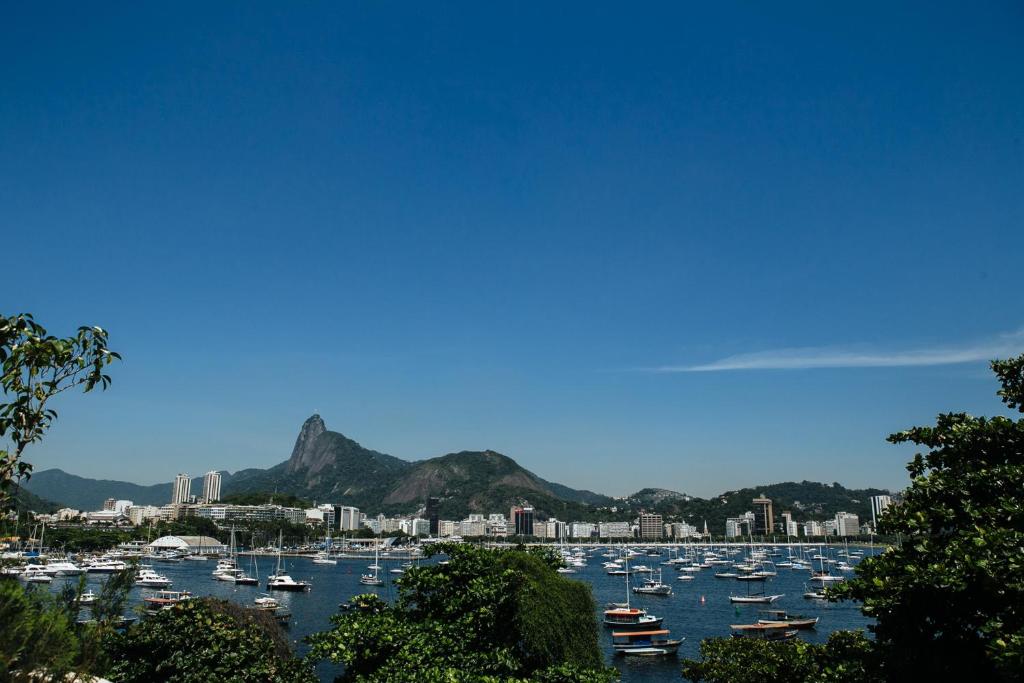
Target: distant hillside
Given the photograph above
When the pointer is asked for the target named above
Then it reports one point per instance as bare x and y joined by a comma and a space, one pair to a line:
83, 493
806, 500
25, 500
326, 466
655, 497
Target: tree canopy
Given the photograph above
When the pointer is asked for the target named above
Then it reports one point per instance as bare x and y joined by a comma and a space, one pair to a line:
37, 366
949, 600
485, 615
203, 640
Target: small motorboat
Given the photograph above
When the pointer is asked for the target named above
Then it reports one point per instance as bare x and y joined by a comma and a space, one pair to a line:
645, 643
782, 617
763, 631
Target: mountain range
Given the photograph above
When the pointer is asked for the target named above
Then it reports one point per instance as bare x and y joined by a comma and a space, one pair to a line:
326, 466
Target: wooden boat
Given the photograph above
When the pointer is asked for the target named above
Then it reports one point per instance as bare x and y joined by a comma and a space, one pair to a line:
645, 643
631, 618
781, 616
763, 631
166, 599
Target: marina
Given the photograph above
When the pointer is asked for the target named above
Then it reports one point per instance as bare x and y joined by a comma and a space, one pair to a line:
696, 609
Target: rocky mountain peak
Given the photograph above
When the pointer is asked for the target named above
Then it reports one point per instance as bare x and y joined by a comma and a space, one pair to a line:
303, 453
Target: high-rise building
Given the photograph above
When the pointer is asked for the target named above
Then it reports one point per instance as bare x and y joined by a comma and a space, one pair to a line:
434, 515
211, 487
738, 527
522, 520
788, 525
813, 528
878, 506
764, 521
109, 503
651, 525
847, 524
346, 518
180, 490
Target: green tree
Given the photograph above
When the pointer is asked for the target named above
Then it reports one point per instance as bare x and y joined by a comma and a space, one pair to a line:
845, 658
36, 633
486, 615
949, 600
204, 640
36, 367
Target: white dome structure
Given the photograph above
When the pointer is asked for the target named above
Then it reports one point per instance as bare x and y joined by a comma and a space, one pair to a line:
189, 544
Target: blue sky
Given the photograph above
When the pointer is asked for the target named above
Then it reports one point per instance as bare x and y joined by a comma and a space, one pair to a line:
691, 247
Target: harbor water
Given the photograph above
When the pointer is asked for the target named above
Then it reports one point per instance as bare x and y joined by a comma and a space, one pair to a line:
697, 609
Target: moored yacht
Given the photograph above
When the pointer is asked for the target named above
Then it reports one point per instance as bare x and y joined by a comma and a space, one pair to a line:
150, 579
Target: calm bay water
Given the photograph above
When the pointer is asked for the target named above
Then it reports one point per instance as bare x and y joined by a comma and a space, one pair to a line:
697, 609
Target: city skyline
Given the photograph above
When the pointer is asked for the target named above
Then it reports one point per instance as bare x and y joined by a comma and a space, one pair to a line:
695, 247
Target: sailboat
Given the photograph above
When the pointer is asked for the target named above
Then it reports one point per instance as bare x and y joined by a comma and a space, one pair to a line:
324, 556
626, 617
374, 578
652, 587
283, 582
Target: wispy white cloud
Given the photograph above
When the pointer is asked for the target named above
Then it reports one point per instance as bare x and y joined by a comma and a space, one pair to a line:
837, 357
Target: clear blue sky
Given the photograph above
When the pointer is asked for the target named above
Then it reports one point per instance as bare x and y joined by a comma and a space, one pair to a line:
683, 246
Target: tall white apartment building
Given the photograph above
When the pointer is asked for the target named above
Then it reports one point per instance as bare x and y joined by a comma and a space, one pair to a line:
847, 524
878, 506
181, 489
211, 487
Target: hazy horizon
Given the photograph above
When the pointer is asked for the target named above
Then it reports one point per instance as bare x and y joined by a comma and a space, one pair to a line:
698, 248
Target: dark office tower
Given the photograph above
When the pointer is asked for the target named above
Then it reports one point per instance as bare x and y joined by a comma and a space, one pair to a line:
764, 520
434, 515
522, 517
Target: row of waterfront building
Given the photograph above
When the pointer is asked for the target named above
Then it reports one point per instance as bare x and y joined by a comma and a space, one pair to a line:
521, 520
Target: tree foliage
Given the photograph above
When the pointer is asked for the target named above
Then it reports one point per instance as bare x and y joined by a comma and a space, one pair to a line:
486, 615
35, 633
845, 658
949, 601
37, 366
39, 630
203, 640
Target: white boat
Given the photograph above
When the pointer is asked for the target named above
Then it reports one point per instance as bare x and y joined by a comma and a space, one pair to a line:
283, 582
105, 566
324, 556
624, 617
63, 568
196, 558
755, 599
655, 643
150, 579
267, 603
35, 576
87, 598
653, 587
374, 578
